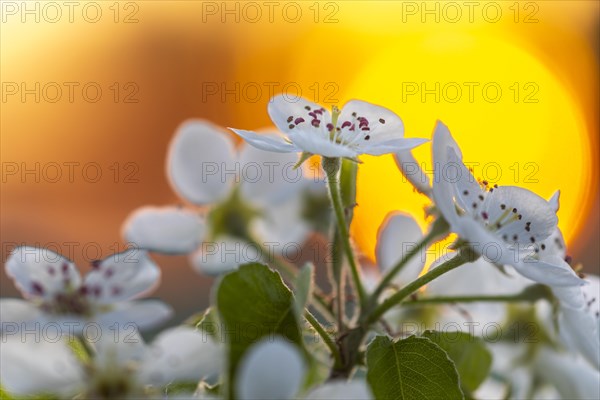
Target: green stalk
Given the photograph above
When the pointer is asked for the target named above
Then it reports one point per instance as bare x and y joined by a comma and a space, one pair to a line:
332, 169
530, 294
415, 285
325, 336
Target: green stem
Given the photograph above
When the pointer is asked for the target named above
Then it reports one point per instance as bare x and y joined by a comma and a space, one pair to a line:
415, 285
466, 299
438, 229
530, 294
332, 168
325, 336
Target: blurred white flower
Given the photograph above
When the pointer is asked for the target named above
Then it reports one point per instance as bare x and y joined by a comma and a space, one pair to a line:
55, 292
121, 365
272, 369
506, 224
398, 234
39, 366
249, 192
358, 128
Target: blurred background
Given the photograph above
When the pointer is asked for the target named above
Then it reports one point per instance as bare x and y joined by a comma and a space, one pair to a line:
93, 91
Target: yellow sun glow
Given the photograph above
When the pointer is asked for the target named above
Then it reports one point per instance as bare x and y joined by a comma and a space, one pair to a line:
513, 118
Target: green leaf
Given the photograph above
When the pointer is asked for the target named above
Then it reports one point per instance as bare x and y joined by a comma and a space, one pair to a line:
254, 303
469, 354
413, 368
304, 288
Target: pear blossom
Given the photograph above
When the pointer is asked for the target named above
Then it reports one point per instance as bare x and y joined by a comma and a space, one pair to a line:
241, 193
358, 128
55, 292
120, 366
271, 369
509, 219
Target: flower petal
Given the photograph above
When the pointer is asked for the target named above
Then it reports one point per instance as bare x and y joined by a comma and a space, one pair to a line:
182, 354
170, 230
383, 123
399, 234
143, 314
293, 114
538, 219
571, 377
411, 170
268, 178
443, 189
552, 272
13, 312
555, 201
224, 254
273, 143
270, 369
321, 144
390, 146
122, 276
340, 390
200, 162
579, 319
36, 366
41, 273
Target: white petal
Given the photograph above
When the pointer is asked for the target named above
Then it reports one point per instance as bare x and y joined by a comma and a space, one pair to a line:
353, 390
398, 234
538, 218
443, 189
273, 143
119, 347
41, 273
285, 111
201, 162
390, 146
141, 314
555, 201
271, 369
182, 354
553, 245
412, 171
572, 378
315, 143
223, 255
552, 272
13, 312
122, 276
383, 123
36, 366
170, 230
580, 332
268, 178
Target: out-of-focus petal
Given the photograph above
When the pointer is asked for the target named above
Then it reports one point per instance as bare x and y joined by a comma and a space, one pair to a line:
201, 162
182, 354
170, 230
272, 369
41, 273
122, 276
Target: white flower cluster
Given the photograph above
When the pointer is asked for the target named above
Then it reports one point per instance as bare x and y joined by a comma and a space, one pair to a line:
73, 336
